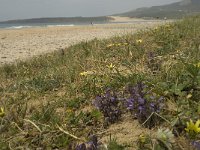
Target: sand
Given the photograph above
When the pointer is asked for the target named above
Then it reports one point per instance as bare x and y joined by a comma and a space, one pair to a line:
22, 44
127, 19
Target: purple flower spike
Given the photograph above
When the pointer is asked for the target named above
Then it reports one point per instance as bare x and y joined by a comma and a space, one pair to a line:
91, 146
81, 147
130, 107
160, 100
113, 99
141, 109
93, 138
196, 145
109, 105
153, 107
108, 93
141, 101
130, 104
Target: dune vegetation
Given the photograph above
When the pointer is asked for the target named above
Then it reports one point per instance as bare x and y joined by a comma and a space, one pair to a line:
70, 98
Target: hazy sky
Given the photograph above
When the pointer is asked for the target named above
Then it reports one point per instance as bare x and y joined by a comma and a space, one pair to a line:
20, 9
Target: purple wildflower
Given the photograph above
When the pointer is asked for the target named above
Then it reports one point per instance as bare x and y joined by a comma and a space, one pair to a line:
92, 144
130, 104
141, 109
109, 105
81, 147
142, 102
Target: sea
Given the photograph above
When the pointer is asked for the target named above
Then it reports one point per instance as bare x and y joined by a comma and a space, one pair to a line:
32, 25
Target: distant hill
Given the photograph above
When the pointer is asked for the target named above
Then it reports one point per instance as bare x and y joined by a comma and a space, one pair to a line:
174, 10
70, 20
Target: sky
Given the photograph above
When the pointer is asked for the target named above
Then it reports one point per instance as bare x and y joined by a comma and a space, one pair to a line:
24, 9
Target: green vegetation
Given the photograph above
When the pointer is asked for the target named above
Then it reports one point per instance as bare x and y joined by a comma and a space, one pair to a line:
51, 102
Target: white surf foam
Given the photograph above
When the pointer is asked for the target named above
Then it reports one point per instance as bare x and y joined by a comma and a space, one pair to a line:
19, 27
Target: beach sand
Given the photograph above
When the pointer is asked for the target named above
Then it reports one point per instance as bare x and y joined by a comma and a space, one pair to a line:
22, 44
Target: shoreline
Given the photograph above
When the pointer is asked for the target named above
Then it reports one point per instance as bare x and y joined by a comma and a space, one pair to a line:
117, 21
21, 44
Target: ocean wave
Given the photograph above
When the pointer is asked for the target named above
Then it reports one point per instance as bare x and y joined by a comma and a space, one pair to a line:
42, 25
19, 27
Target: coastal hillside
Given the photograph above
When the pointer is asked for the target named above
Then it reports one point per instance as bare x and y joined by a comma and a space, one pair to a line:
174, 10
136, 91
73, 20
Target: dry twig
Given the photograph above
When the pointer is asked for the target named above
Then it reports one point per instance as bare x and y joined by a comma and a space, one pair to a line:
71, 135
33, 124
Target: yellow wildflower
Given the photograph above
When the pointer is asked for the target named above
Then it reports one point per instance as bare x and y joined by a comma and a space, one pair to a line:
110, 45
83, 73
139, 41
119, 44
191, 127
111, 66
69, 111
2, 112
189, 96
142, 138
198, 65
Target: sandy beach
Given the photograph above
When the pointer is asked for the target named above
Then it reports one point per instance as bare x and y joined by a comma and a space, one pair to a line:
22, 44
